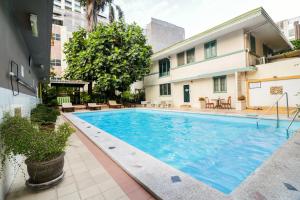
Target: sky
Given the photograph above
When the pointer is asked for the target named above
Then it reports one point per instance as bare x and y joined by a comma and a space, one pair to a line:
199, 15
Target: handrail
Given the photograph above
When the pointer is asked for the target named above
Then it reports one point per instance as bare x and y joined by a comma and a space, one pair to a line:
292, 121
277, 110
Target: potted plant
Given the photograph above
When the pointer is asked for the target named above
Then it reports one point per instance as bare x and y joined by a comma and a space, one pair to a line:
44, 116
202, 102
241, 103
43, 149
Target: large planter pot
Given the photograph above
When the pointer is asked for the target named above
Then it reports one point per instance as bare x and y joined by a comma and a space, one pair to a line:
240, 105
45, 174
202, 105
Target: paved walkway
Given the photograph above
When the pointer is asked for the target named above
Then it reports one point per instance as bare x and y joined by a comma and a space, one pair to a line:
85, 178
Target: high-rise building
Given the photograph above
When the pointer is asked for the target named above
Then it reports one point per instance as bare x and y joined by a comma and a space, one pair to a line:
290, 28
68, 16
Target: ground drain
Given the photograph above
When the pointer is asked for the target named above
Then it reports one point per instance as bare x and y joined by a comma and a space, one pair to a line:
111, 147
175, 179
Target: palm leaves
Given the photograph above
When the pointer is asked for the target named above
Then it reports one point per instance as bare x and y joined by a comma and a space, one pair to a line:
93, 7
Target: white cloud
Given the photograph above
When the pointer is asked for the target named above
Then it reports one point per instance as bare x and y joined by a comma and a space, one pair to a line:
199, 15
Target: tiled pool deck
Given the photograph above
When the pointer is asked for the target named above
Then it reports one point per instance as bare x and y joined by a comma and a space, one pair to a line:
90, 175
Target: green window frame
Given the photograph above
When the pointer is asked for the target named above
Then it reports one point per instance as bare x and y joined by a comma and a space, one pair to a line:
252, 44
180, 58
165, 89
220, 84
210, 49
190, 56
164, 67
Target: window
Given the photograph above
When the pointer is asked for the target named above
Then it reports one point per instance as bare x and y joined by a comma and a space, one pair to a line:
180, 59
190, 55
210, 49
57, 22
252, 44
164, 67
55, 62
165, 89
56, 36
291, 33
220, 84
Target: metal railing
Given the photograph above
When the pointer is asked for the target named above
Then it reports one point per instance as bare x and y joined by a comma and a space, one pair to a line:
292, 121
277, 109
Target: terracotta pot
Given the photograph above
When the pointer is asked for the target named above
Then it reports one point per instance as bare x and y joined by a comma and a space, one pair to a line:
43, 172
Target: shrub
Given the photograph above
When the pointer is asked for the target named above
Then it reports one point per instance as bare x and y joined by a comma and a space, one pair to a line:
242, 98
127, 97
18, 136
85, 97
43, 115
296, 44
201, 99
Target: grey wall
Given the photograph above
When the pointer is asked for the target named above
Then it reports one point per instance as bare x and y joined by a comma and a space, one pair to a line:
13, 47
161, 34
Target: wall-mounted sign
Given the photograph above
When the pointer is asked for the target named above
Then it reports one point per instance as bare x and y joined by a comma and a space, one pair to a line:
275, 90
255, 85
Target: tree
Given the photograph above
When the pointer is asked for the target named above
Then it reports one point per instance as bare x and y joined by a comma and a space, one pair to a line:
113, 56
296, 44
93, 7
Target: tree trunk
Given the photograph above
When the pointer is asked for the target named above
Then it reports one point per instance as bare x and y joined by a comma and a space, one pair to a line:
91, 15
90, 88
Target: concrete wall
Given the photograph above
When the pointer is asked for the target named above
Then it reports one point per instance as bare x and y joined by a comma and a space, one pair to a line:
13, 48
161, 34
284, 73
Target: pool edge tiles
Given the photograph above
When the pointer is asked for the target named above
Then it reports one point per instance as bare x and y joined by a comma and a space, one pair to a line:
143, 167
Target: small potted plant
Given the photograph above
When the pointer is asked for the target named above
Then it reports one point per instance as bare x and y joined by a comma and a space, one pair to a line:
43, 149
202, 102
241, 103
44, 116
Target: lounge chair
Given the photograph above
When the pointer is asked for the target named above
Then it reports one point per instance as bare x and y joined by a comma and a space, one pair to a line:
94, 106
144, 103
114, 104
155, 103
67, 107
227, 104
208, 104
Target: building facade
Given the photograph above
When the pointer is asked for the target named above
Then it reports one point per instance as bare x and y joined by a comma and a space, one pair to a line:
24, 61
68, 16
290, 28
221, 62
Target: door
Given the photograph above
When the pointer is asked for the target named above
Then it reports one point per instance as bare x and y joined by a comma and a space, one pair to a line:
186, 93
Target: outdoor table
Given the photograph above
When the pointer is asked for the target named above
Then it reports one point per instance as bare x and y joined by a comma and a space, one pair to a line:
218, 102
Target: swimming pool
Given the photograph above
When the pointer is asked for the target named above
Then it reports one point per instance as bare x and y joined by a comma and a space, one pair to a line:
220, 151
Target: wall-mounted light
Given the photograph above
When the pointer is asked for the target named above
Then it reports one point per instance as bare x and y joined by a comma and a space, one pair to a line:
42, 67
33, 24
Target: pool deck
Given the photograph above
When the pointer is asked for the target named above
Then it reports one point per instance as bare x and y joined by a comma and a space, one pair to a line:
89, 175
277, 178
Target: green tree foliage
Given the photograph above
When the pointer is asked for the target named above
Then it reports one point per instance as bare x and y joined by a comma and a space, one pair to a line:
113, 56
296, 44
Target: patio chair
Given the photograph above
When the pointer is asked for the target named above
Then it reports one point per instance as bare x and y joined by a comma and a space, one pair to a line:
208, 104
67, 107
227, 104
114, 104
94, 106
169, 104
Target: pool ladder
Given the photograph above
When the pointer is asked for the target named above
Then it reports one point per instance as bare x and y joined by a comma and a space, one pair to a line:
277, 109
292, 121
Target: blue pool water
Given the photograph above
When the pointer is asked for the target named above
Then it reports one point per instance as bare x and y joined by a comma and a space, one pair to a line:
217, 150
